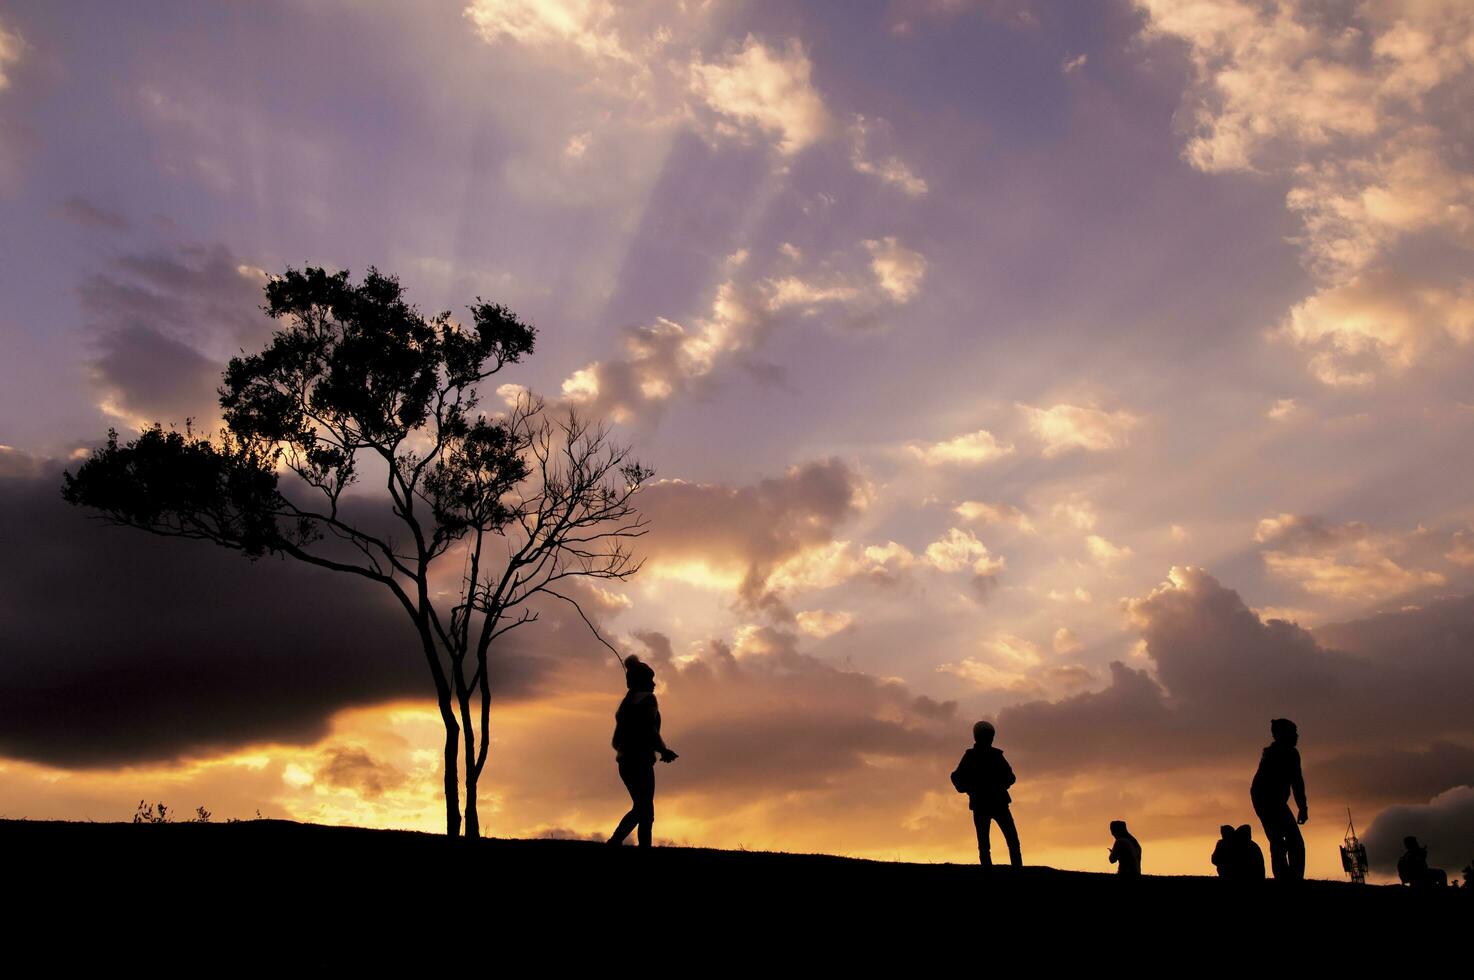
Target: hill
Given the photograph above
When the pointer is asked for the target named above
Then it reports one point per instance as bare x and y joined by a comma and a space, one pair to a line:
212, 882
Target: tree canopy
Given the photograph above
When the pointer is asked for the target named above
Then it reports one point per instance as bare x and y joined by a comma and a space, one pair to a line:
358, 390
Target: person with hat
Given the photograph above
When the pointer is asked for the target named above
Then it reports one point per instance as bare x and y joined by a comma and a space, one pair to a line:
637, 742
1276, 779
1126, 851
984, 775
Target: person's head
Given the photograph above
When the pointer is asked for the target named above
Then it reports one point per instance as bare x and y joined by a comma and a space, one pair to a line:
983, 732
1284, 730
1118, 828
638, 675
1411, 843
1245, 832
1226, 831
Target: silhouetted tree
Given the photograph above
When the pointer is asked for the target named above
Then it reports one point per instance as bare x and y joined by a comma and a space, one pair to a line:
357, 383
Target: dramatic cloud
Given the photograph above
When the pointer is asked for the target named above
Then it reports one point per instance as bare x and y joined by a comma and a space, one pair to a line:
1104, 551
960, 549
1282, 409
970, 449
351, 767
164, 323
122, 647
666, 358
11, 47
1461, 548
1076, 513
762, 88
1219, 673
89, 215
587, 25
980, 512
1383, 776
891, 169
820, 623
1065, 427
1007, 663
775, 718
1356, 106
742, 537
1379, 318
897, 269
1444, 825
1066, 642
1342, 561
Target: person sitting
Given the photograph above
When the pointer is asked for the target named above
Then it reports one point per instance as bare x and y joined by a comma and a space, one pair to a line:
1251, 858
1126, 854
1413, 868
1226, 853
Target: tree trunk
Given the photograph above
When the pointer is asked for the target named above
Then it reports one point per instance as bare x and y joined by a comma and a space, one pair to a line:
452, 731
473, 820
452, 776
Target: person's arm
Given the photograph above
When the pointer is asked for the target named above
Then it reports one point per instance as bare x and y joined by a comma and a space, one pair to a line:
1008, 777
959, 775
1297, 785
1115, 852
666, 755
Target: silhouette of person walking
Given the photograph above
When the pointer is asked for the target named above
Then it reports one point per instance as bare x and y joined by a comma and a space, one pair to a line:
1126, 853
984, 775
1277, 778
637, 742
1413, 868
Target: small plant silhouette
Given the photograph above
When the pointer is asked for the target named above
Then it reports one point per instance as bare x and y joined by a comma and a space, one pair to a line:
201, 815
158, 813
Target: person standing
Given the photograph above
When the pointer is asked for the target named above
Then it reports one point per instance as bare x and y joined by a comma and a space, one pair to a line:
1126, 852
984, 775
637, 742
1276, 779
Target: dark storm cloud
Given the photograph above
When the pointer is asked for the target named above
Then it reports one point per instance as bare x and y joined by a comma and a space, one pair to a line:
15, 464
117, 646
155, 376
1398, 774
89, 215
163, 322
1444, 825
1221, 673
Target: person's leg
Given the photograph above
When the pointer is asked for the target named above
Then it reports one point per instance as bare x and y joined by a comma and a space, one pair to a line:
982, 821
645, 803
1010, 834
1294, 848
628, 821
1274, 840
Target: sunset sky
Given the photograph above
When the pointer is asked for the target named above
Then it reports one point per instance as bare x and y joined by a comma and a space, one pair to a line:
1099, 367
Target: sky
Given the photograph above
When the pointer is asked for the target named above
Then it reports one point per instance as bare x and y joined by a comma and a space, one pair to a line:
1099, 369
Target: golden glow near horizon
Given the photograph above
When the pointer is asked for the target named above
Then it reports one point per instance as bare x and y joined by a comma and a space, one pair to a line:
379, 767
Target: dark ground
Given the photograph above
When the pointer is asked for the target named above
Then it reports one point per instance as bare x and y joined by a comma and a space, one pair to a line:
141, 895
